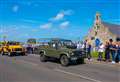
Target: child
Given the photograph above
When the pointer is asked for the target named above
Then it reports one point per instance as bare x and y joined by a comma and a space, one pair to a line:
100, 52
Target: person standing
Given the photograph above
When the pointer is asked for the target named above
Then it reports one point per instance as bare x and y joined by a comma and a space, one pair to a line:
118, 51
112, 50
78, 45
107, 52
100, 52
84, 46
88, 46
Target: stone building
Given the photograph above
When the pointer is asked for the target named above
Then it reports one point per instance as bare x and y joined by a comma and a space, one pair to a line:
102, 31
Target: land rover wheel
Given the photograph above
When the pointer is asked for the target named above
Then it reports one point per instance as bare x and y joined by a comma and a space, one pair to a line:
64, 60
43, 58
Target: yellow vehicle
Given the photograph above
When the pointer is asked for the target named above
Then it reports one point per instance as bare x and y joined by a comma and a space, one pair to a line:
12, 48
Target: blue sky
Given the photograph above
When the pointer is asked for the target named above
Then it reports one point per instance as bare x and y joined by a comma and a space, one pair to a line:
70, 19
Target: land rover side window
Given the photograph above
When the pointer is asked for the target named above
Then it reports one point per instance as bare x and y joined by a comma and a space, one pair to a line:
56, 45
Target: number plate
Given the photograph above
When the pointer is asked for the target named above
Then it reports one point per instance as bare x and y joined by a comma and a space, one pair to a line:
74, 58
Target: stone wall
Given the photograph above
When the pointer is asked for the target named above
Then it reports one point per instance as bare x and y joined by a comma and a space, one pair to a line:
103, 34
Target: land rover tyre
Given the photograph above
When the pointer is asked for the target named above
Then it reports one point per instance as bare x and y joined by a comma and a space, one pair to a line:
43, 58
64, 60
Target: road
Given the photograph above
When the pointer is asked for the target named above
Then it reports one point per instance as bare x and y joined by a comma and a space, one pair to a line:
30, 69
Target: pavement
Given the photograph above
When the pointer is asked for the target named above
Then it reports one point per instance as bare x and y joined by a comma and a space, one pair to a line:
30, 69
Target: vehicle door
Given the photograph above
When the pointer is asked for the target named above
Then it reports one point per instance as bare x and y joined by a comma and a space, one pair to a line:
53, 50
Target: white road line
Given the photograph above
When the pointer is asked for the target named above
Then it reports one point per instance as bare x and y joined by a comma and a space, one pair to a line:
77, 75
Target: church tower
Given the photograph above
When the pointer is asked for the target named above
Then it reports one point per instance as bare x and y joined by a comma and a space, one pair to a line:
97, 19
102, 31
97, 23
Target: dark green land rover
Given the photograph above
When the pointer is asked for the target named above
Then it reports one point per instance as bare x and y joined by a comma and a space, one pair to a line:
63, 50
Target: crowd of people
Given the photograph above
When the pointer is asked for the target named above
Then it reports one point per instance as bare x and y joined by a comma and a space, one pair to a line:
112, 49
108, 52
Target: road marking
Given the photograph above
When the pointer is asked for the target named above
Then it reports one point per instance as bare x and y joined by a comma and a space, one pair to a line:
77, 75
36, 55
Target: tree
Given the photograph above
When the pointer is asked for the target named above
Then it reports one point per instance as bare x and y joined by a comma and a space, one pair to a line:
31, 41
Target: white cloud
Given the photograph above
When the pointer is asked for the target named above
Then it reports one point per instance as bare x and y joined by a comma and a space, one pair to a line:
61, 15
15, 8
64, 24
46, 26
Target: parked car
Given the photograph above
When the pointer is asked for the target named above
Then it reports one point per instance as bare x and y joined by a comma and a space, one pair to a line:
12, 48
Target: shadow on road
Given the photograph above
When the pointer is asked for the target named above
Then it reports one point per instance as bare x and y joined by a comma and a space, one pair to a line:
54, 60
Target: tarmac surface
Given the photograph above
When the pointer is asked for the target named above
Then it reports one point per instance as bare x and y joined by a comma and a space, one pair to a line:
30, 69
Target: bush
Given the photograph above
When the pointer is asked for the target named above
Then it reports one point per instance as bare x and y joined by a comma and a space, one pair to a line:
95, 54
